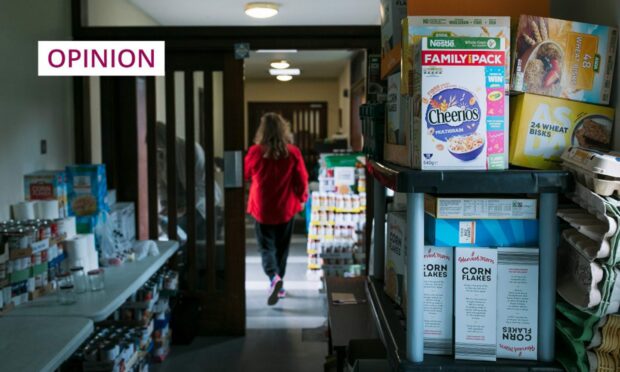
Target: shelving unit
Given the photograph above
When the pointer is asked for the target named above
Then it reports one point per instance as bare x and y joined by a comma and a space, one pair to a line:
120, 283
406, 349
41, 343
54, 332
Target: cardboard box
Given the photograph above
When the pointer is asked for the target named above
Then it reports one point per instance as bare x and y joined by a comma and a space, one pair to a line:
475, 288
480, 233
123, 219
414, 28
87, 187
459, 104
543, 127
395, 259
480, 208
517, 303
438, 294
564, 59
376, 89
513, 9
47, 185
392, 11
396, 148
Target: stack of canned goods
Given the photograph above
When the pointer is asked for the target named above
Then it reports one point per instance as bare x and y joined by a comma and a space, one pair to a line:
112, 345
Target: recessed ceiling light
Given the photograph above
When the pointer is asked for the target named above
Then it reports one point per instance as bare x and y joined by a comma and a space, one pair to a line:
261, 10
284, 77
276, 51
284, 71
280, 64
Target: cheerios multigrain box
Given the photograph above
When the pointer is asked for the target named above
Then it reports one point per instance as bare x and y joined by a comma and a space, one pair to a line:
459, 107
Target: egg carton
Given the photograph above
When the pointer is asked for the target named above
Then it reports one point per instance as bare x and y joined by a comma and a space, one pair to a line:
579, 283
587, 224
591, 249
599, 171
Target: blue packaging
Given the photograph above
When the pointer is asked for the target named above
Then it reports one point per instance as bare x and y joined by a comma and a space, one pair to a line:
480, 233
87, 189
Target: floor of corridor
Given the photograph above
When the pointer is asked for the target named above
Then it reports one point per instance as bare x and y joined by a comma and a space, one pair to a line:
286, 337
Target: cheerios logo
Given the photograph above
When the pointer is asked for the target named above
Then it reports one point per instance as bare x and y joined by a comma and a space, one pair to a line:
452, 112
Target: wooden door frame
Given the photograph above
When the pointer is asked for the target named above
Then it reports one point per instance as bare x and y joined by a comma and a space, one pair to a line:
214, 39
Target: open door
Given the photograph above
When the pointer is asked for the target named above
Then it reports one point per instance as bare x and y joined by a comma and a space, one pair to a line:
195, 179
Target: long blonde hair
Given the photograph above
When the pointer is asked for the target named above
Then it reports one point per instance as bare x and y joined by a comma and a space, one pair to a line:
273, 135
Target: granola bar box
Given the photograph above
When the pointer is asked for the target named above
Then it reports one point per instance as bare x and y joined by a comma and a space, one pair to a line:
459, 107
541, 128
564, 59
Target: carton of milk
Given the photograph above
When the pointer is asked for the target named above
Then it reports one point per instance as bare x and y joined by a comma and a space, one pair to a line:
459, 108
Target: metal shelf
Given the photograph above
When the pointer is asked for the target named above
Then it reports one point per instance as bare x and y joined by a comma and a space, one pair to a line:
393, 333
512, 181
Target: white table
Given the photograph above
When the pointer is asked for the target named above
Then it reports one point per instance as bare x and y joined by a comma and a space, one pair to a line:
120, 283
40, 343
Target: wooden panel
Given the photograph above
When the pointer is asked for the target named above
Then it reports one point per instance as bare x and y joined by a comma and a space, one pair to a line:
142, 206
234, 197
171, 166
211, 255
151, 138
190, 173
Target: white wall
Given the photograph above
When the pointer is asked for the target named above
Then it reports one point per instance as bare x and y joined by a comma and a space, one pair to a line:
604, 12
117, 13
31, 108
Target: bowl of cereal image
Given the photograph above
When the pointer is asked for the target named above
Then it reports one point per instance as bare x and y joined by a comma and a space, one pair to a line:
466, 148
543, 69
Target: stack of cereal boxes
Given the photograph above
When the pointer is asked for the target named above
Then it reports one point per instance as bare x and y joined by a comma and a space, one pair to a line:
480, 276
565, 69
454, 77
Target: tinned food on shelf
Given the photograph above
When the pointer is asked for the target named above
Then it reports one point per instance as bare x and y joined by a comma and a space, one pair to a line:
564, 59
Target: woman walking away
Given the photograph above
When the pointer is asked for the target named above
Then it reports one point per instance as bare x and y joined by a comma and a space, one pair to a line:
278, 190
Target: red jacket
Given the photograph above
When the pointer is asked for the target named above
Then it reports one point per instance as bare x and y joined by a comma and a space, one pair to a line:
278, 186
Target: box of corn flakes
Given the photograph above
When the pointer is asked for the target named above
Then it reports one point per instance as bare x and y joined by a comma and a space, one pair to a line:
414, 28
541, 128
459, 105
564, 59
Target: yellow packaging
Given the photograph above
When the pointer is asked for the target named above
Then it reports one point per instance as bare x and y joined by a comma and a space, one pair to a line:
542, 127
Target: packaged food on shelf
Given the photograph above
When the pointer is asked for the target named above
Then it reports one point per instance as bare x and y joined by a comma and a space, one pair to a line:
578, 282
480, 208
87, 189
392, 11
517, 303
395, 108
565, 59
416, 27
459, 104
438, 294
47, 185
123, 220
513, 9
598, 170
395, 257
480, 232
543, 127
376, 89
475, 284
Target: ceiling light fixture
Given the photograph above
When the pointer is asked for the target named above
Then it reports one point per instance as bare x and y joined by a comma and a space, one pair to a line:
261, 10
284, 77
280, 64
285, 71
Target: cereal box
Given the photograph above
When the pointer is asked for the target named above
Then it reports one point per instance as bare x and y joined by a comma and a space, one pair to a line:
513, 8
475, 282
542, 127
517, 303
398, 124
564, 59
87, 185
395, 259
392, 11
414, 28
47, 185
459, 107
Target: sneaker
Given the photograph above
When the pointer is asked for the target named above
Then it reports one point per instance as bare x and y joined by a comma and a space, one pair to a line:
274, 290
281, 293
